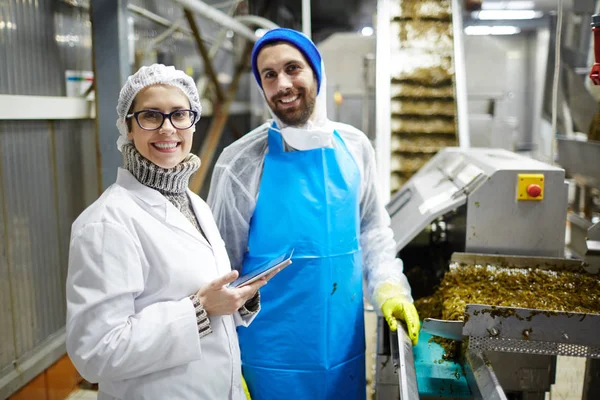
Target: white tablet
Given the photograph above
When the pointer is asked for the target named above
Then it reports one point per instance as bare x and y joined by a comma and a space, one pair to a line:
270, 266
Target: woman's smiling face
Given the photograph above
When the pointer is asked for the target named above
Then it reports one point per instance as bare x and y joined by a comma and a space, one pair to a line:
166, 146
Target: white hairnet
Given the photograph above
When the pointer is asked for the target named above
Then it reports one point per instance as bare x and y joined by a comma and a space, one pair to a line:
147, 76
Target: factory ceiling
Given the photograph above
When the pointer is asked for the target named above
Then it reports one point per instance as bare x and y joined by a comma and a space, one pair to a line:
328, 16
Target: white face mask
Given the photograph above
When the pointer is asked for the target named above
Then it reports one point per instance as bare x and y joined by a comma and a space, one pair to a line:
307, 139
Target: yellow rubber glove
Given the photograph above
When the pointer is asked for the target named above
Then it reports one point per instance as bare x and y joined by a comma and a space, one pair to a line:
398, 308
395, 305
246, 391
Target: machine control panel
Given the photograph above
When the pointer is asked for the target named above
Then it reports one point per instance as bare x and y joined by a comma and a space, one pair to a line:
530, 187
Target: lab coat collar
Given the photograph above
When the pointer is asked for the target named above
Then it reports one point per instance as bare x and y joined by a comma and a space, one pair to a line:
148, 195
162, 207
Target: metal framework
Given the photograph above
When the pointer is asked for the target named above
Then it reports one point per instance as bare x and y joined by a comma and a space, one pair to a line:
14, 107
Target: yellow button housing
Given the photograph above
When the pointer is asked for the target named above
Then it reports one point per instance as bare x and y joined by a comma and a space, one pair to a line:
530, 187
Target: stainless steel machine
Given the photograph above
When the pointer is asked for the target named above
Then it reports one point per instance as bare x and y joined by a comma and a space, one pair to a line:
581, 160
512, 204
483, 202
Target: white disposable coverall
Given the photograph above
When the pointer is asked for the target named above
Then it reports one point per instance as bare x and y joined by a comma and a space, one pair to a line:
236, 181
133, 262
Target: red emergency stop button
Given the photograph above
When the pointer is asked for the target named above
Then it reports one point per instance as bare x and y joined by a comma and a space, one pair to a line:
534, 190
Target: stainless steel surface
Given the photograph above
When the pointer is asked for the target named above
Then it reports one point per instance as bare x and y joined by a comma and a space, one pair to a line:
510, 261
529, 374
386, 385
486, 180
531, 331
592, 244
497, 223
581, 159
407, 374
594, 232
429, 194
502, 110
460, 75
585, 241
579, 231
386, 378
481, 377
581, 103
443, 328
591, 382
540, 128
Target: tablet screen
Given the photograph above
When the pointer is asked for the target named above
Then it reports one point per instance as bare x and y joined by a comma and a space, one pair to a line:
279, 262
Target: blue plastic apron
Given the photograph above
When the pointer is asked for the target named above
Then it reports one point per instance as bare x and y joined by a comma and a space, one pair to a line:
308, 341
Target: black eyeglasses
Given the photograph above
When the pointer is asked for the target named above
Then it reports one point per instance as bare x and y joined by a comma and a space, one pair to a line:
151, 120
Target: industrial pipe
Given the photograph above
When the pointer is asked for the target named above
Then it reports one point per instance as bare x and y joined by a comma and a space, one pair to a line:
219, 17
255, 20
306, 18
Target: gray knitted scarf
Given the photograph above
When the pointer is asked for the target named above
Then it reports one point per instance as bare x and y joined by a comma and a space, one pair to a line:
171, 183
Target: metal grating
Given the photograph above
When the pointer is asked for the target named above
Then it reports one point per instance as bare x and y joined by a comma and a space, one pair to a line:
532, 347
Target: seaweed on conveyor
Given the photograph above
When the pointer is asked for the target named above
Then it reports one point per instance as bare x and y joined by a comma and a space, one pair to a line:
533, 288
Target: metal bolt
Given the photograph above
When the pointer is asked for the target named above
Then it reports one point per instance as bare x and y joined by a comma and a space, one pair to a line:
493, 332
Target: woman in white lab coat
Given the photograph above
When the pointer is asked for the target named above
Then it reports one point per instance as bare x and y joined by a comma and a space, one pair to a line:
149, 315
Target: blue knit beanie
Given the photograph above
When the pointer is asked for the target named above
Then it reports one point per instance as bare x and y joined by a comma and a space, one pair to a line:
296, 39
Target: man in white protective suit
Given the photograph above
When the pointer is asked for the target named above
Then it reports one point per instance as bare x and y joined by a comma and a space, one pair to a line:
304, 182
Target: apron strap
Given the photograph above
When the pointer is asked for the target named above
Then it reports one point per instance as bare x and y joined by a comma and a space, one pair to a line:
275, 140
338, 139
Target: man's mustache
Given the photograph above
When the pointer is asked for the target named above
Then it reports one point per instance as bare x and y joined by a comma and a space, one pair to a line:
287, 93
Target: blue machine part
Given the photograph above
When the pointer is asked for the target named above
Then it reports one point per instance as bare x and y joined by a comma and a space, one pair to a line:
436, 377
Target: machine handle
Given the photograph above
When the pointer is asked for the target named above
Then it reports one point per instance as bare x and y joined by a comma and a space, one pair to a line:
404, 363
595, 73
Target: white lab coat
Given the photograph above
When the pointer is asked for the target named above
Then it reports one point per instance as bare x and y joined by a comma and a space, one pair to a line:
134, 260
